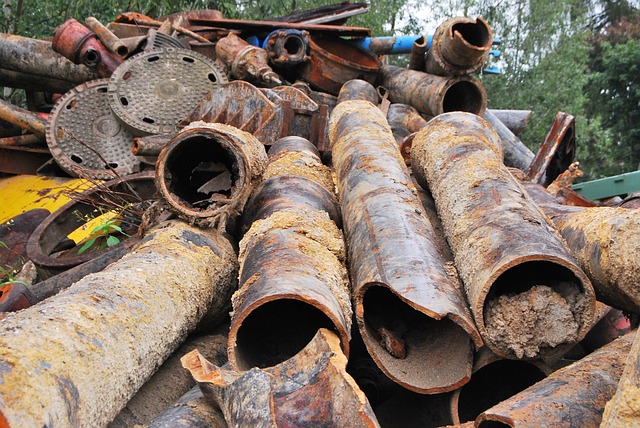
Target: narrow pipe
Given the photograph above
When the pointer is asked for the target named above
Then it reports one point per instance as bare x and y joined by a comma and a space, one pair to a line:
34, 82
516, 154
108, 39
23, 118
418, 53
150, 145
192, 410
515, 120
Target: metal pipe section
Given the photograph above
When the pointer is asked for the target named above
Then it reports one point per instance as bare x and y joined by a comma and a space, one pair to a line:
192, 410
527, 294
460, 46
312, 388
404, 121
25, 119
414, 322
574, 396
357, 89
292, 277
207, 172
418, 53
32, 56
34, 82
150, 145
389, 45
433, 94
244, 61
116, 323
287, 48
515, 120
516, 154
107, 38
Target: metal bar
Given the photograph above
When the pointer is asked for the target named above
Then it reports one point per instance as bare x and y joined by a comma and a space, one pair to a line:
268, 26
150, 145
556, 152
23, 118
22, 140
108, 39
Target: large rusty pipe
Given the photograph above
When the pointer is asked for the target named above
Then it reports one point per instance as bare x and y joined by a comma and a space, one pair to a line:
107, 38
23, 118
207, 172
33, 56
80, 356
357, 89
292, 275
459, 46
507, 253
418, 53
516, 154
515, 120
414, 321
431, 94
404, 121
34, 82
310, 389
245, 61
574, 396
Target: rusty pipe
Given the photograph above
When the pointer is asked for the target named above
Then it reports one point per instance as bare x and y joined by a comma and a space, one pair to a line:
118, 315
150, 145
81, 45
404, 121
357, 89
574, 396
23, 118
22, 140
431, 94
632, 201
310, 389
292, 277
34, 82
192, 410
245, 61
516, 154
515, 120
418, 53
460, 46
32, 56
412, 320
207, 172
556, 152
107, 38
505, 250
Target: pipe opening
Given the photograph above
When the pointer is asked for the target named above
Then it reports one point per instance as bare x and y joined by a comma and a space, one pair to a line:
493, 384
200, 171
463, 96
276, 331
412, 347
535, 306
294, 46
476, 34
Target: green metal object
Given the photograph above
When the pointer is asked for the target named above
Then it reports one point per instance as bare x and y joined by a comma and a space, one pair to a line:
622, 184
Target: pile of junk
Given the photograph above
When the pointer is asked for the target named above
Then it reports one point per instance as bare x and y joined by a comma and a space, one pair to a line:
216, 222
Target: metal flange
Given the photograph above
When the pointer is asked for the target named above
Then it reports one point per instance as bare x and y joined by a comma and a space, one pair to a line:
152, 91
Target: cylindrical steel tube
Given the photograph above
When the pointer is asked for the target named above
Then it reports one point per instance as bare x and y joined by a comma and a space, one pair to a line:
33, 56
192, 410
108, 39
22, 140
507, 254
574, 396
150, 145
405, 121
207, 172
515, 120
433, 94
516, 154
418, 53
357, 89
34, 82
408, 301
459, 46
80, 356
244, 61
23, 118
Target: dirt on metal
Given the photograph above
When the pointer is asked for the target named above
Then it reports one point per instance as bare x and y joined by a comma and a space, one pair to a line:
301, 164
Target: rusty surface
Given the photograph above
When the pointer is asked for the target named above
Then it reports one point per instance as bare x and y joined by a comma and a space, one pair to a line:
387, 230
333, 62
207, 172
192, 410
34, 82
23, 160
245, 61
418, 53
431, 94
23, 118
310, 389
405, 121
14, 235
150, 145
501, 241
574, 396
50, 237
556, 152
357, 89
632, 201
309, 118
15, 296
22, 140
516, 154
81, 45
515, 120
609, 326
32, 56
107, 38
460, 46
287, 48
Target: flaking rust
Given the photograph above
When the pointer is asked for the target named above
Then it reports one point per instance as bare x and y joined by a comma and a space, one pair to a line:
507, 254
310, 389
407, 304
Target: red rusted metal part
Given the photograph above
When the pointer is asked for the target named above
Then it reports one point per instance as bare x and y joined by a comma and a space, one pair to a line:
150, 145
22, 118
253, 27
556, 152
405, 121
36, 57
357, 89
568, 196
14, 235
81, 46
611, 326
600, 238
563, 196
574, 396
22, 140
431, 94
502, 243
494, 379
245, 61
207, 172
287, 48
516, 154
515, 120
50, 237
310, 389
107, 38
418, 54
334, 13
34, 82
23, 160
632, 201
460, 46
192, 410
15, 296
418, 313
333, 62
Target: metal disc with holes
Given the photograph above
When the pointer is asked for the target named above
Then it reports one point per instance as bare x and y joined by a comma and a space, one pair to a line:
152, 91
84, 136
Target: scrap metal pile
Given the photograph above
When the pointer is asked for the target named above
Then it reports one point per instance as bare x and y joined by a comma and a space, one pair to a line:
287, 231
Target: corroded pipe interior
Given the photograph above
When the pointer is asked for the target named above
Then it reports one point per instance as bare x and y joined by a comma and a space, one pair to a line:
476, 34
294, 45
195, 162
463, 96
276, 331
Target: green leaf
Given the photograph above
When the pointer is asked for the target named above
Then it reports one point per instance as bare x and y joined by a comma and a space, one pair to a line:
116, 228
86, 245
112, 240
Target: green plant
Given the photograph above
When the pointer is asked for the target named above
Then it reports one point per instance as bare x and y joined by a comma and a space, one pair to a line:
104, 231
10, 278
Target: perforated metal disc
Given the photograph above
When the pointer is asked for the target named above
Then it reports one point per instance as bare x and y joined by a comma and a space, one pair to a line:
84, 136
152, 91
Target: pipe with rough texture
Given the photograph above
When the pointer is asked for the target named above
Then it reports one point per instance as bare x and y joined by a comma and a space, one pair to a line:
418, 53
433, 94
23, 118
357, 89
33, 82
515, 120
76, 359
405, 121
516, 154
527, 294
192, 410
246, 62
108, 39
409, 304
